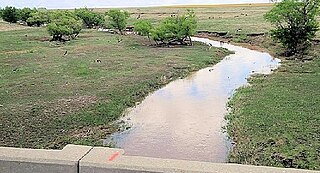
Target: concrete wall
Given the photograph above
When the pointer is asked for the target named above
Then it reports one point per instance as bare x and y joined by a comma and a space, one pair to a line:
84, 159
16, 160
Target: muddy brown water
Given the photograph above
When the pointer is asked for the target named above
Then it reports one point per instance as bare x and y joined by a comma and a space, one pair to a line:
185, 119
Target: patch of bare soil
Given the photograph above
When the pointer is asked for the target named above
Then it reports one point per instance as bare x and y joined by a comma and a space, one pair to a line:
86, 132
9, 27
69, 105
36, 38
84, 135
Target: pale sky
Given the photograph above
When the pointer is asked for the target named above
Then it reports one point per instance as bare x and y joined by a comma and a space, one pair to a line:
113, 3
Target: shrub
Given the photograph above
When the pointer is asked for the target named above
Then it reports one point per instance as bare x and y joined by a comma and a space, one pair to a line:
176, 29
143, 27
26, 13
64, 26
10, 14
1, 10
295, 23
118, 19
38, 18
90, 19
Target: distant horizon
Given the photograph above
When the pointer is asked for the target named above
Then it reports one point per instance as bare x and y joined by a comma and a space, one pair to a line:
70, 4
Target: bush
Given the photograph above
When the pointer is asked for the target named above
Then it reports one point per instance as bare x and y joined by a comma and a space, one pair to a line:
64, 26
143, 27
118, 19
26, 13
90, 19
176, 29
10, 14
38, 18
295, 23
1, 10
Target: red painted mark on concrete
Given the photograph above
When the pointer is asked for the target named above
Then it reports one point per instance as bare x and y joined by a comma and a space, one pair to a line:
114, 156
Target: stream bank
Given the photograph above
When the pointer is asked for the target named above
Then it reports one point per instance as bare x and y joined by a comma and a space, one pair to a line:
184, 119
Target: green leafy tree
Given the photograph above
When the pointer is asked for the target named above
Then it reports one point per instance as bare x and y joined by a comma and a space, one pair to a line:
39, 18
1, 10
144, 28
118, 19
64, 26
10, 14
26, 13
176, 29
89, 17
187, 25
295, 23
165, 32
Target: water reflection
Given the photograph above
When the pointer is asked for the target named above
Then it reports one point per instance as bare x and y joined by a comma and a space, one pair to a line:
184, 119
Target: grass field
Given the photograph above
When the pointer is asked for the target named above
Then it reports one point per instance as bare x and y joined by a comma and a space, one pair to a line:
4, 26
276, 121
248, 18
233, 18
51, 95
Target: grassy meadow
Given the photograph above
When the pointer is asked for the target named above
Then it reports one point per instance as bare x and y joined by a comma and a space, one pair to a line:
248, 18
4, 26
275, 121
54, 94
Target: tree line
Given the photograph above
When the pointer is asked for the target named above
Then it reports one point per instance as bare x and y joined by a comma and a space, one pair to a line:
295, 23
62, 25
66, 24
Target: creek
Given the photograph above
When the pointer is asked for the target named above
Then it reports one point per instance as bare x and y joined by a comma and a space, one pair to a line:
185, 119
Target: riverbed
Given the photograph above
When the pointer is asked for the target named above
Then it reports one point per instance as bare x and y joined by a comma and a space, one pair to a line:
185, 119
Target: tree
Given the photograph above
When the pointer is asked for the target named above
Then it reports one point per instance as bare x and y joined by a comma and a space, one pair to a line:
90, 18
165, 32
10, 14
176, 29
1, 10
187, 25
64, 26
38, 18
295, 24
118, 19
143, 27
26, 13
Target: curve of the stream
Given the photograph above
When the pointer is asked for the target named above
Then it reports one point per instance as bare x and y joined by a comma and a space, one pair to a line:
184, 119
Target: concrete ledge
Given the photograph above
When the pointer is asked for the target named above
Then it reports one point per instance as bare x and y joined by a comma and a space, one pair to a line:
105, 160
40, 161
84, 159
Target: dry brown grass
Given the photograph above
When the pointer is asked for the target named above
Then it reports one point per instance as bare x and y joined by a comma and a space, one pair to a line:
223, 5
229, 17
4, 26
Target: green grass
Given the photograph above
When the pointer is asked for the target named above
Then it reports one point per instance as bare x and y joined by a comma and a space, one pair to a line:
276, 120
48, 99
